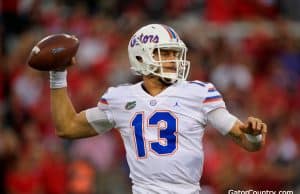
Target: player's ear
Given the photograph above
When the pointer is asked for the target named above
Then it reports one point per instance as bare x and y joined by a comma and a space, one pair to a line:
155, 53
139, 58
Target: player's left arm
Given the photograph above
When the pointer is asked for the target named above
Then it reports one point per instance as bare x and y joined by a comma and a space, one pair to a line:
251, 134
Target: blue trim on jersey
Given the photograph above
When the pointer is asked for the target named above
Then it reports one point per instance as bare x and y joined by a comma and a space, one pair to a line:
212, 90
213, 97
198, 83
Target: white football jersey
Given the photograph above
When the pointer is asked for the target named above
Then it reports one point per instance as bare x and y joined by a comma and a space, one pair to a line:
163, 134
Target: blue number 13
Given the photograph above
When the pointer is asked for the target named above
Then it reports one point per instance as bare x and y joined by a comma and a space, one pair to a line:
166, 123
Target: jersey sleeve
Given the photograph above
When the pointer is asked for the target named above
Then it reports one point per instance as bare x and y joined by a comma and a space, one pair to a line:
98, 120
212, 99
221, 120
104, 104
101, 117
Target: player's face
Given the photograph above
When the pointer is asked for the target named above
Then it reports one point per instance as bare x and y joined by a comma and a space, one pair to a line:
167, 55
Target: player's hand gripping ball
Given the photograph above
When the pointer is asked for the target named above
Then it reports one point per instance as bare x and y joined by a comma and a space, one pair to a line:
53, 52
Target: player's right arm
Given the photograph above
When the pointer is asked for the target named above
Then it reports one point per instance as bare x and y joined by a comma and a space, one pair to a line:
69, 123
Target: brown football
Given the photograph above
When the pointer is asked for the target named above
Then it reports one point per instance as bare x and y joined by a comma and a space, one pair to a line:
53, 52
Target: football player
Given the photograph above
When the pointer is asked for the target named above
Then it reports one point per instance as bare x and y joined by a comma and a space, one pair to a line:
161, 119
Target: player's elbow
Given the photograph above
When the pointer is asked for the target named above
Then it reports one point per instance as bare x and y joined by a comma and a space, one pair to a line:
64, 131
65, 135
61, 133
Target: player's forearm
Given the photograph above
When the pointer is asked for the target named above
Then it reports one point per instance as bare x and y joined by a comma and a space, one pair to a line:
68, 123
62, 111
241, 140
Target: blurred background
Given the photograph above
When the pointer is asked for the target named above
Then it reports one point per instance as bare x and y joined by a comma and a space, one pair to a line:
250, 49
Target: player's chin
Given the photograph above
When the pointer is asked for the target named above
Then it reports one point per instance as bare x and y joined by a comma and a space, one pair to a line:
167, 81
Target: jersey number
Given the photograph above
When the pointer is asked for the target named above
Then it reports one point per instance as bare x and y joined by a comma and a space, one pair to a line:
165, 123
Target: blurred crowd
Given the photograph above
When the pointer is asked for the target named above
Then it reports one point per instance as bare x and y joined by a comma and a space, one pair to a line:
250, 49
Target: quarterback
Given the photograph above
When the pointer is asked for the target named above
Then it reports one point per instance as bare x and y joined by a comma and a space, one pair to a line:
161, 119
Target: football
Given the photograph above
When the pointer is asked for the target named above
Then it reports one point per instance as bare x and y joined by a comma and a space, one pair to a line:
53, 52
